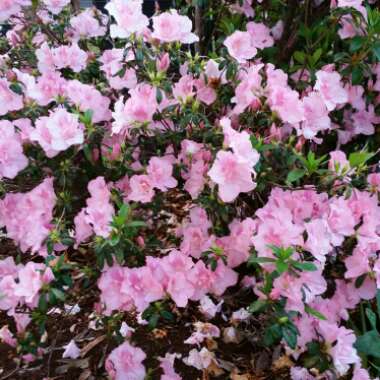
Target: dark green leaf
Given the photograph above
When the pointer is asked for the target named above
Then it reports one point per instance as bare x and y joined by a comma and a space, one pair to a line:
257, 306
290, 336
369, 344
295, 175
305, 266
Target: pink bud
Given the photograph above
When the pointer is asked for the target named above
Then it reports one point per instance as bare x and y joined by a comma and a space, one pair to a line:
140, 241
162, 64
95, 154
48, 276
11, 76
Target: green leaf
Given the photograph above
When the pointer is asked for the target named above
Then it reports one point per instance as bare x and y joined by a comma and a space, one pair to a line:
136, 223
371, 317
58, 294
167, 315
359, 158
260, 260
376, 50
316, 56
369, 344
153, 320
305, 266
258, 305
299, 56
357, 75
295, 175
290, 336
281, 266
356, 43
315, 313
272, 335
378, 302
15, 87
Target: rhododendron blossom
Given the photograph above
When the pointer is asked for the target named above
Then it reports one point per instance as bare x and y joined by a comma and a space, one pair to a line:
125, 362
128, 16
171, 27
58, 131
12, 158
27, 216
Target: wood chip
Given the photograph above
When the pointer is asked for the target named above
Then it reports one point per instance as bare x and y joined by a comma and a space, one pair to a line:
88, 347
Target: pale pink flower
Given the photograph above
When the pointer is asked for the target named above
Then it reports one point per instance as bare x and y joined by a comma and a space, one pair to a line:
286, 102
142, 287
316, 116
232, 176
139, 108
203, 331
128, 16
160, 172
29, 282
170, 27
85, 25
99, 210
208, 308
141, 189
58, 131
72, 351
167, 365
9, 8
330, 87
200, 359
125, 362
260, 34
12, 158
10, 100
27, 216
70, 56
125, 330
55, 6
341, 342
7, 337
240, 46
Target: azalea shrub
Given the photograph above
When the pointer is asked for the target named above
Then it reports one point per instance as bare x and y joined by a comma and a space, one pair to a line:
165, 165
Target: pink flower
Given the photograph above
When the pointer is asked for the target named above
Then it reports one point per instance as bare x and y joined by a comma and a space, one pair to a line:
200, 359
260, 34
203, 331
329, 86
72, 351
86, 25
128, 16
232, 176
167, 365
9, 8
70, 56
99, 211
110, 284
357, 264
316, 116
125, 362
12, 158
45, 58
112, 64
125, 330
374, 180
208, 308
160, 171
171, 27
141, 189
142, 287
341, 342
240, 46
338, 162
29, 282
7, 337
55, 6
10, 100
139, 108
27, 216
287, 104
58, 131
319, 239
88, 98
